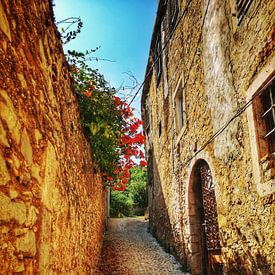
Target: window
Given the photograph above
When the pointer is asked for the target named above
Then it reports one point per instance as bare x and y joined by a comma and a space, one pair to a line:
180, 111
261, 121
268, 115
173, 9
179, 107
147, 125
147, 119
242, 7
160, 129
158, 58
264, 117
166, 112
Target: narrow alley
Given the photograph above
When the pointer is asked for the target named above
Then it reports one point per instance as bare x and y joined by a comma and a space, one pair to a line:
128, 248
121, 108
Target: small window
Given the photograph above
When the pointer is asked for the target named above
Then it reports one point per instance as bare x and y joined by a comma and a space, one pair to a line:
179, 108
173, 9
166, 112
147, 119
242, 8
148, 130
160, 129
158, 58
268, 115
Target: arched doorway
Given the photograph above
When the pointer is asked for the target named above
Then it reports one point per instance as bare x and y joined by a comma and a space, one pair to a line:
204, 241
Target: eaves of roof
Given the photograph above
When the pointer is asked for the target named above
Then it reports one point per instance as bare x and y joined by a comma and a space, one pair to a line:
149, 68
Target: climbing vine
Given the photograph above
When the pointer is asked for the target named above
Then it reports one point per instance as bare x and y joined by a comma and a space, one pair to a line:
110, 126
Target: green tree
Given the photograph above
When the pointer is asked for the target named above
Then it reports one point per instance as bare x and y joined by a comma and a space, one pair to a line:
133, 200
137, 187
121, 204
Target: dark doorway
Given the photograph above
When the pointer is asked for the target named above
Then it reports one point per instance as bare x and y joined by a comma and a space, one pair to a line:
204, 230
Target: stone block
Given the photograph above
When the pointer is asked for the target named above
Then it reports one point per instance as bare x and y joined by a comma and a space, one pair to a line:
22, 80
18, 212
27, 244
50, 194
26, 148
16, 162
4, 208
11, 210
5, 230
19, 268
31, 217
222, 221
38, 136
35, 172
25, 178
8, 114
27, 194
4, 23
20, 231
4, 45
4, 173
3, 136
13, 194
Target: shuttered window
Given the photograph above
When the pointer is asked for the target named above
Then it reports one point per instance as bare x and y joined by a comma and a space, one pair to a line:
242, 8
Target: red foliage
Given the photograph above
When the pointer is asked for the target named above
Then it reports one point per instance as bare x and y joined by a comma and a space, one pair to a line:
143, 163
109, 178
120, 187
88, 93
117, 100
128, 145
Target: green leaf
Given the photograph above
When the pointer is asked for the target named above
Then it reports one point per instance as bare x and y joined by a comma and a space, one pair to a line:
94, 128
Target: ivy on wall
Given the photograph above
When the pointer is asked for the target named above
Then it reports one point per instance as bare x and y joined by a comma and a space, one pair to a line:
114, 133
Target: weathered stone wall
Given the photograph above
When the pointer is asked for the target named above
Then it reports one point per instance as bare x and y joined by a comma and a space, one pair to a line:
217, 61
52, 206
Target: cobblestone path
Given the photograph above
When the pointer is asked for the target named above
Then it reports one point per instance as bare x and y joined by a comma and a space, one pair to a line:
128, 249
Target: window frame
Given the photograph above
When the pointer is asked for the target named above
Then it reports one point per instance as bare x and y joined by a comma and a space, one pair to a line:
268, 110
158, 57
263, 162
148, 120
159, 129
179, 109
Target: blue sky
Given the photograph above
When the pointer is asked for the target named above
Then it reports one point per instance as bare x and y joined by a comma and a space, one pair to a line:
122, 28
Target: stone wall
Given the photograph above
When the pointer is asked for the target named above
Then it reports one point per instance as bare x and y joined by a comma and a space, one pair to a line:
52, 206
216, 60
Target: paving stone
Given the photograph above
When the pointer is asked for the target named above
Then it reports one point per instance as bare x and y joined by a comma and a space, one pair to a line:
128, 248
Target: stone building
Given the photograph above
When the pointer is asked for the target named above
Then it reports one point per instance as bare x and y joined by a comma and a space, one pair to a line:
52, 206
209, 121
